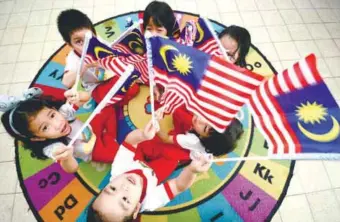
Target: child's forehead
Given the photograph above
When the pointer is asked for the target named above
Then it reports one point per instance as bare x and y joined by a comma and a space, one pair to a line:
80, 32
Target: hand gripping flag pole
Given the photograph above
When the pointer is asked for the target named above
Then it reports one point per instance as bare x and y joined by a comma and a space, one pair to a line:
102, 104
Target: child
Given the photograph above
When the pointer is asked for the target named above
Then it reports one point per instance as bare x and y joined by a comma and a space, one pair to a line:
160, 19
46, 126
236, 41
134, 187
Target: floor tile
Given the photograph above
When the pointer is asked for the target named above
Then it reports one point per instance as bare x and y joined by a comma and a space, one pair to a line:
227, 5
327, 15
7, 147
318, 31
295, 186
334, 3
295, 209
54, 15
333, 87
269, 51
333, 65
23, 6
101, 13
12, 36
25, 71
6, 207
323, 68
259, 34
83, 3
8, 178
277, 217
279, 33
205, 6
16, 89
337, 14
9, 53
3, 21
21, 210
327, 47
7, 73
53, 33
140, 4
309, 15
320, 3
288, 4
188, 6
124, 6
39, 17
337, 194
299, 32
252, 19
6, 7
35, 34
50, 48
232, 18
302, 4
333, 29
319, 181
265, 4
88, 11
246, 5
272, 17
18, 20
4, 90
30, 52
291, 16
65, 3
332, 168
307, 47
337, 42
287, 51
18, 188
277, 66
324, 206
42, 5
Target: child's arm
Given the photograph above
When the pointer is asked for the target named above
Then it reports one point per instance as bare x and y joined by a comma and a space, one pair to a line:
78, 98
69, 79
138, 135
187, 177
64, 155
166, 138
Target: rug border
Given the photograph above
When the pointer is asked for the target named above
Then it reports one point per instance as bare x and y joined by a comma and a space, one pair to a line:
36, 212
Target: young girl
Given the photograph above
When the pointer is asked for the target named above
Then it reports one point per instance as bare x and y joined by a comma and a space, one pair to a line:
46, 126
236, 41
160, 19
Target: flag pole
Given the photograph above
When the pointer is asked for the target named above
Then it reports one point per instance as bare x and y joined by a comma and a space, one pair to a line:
88, 36
147, 36
102, 104
207, 22
127, 31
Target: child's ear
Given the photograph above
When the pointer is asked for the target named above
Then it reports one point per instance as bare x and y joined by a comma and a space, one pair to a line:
136, 211
36, 139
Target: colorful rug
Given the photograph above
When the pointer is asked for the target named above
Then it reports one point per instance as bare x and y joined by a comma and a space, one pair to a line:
235, 191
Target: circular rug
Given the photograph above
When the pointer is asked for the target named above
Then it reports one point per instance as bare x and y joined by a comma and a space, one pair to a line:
233, 191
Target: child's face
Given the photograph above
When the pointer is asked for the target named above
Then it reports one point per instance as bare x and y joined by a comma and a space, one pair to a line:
200, 126
120, 198
77, 39
49, 124
231, 47
154, 29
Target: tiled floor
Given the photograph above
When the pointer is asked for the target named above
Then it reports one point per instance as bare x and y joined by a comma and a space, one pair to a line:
284, 30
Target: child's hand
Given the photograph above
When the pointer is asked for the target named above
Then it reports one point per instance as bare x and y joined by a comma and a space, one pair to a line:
63, 153
87, 66
159, 114
158, 93
150, 130
201, 162
72, 96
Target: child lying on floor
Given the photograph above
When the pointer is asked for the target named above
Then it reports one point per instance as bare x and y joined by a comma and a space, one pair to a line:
134, 187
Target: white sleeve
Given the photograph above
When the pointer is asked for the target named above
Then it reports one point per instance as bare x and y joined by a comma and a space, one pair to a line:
123, 159
71, 62
189, 141
159, 197
48, 150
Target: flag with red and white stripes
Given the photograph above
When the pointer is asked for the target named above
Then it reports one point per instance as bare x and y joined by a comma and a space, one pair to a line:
209, 86
297, 114
205, 40
172, 100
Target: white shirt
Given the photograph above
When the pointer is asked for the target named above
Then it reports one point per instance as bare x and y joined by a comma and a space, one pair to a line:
156, 195
189, 141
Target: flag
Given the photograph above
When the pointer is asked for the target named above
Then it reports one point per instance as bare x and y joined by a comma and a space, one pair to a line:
209, 86
297, 114
205, 40
172, 99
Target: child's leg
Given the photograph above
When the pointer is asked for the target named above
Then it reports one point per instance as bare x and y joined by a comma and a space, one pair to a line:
104, 126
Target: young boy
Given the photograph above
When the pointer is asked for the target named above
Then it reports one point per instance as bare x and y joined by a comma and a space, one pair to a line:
134, 187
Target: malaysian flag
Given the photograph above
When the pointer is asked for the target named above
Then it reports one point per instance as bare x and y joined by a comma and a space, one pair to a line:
297, 114
209, 86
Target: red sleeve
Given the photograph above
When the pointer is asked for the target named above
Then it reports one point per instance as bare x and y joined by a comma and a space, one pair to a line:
168, 190
129, 147
182, 120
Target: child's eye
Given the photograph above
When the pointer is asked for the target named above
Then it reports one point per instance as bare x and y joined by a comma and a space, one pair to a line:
44, 129
52, 115
113, 188
126, 200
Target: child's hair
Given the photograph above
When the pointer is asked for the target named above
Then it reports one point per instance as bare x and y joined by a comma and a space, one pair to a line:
72, 20
95, 216
222, 143
162, 15
16, 122
243, 39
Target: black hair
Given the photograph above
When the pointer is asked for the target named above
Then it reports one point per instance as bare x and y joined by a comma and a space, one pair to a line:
162, 15
95, 216
222, 143
21, 119
72, 20
242, 37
